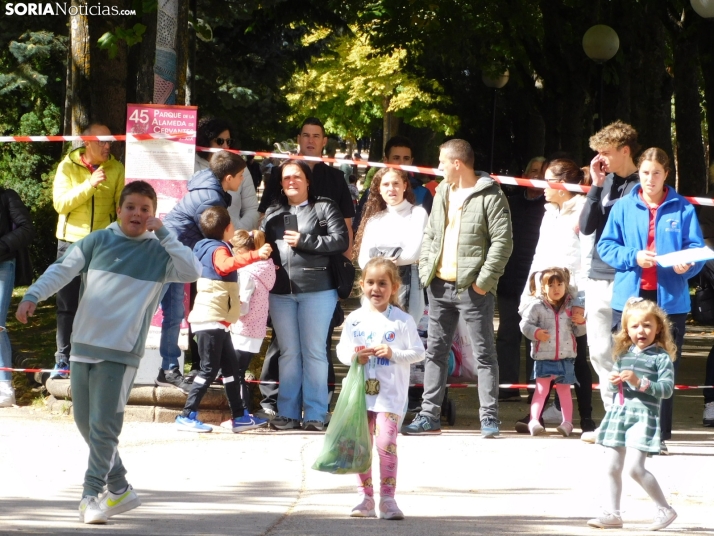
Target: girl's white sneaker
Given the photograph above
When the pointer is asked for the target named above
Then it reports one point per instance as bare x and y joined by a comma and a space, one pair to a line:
663, 519
535, 428
365, 508
7, 394
565, 428
607, 520
388, 509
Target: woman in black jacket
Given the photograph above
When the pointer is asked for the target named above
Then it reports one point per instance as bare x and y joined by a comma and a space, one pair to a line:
304, 232
16, 232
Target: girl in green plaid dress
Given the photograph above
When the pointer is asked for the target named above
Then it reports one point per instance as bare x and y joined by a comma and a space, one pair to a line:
642, 376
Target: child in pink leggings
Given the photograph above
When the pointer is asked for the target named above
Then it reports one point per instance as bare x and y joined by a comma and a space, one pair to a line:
383, 338
549, 320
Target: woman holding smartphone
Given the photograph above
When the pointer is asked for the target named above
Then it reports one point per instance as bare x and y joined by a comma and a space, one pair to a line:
393, 227
304, 231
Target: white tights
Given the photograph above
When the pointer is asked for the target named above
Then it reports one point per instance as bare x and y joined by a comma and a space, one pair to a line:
636, 469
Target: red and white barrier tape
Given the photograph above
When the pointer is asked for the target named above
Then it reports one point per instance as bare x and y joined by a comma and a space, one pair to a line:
413, 169
503, 179
452, 385
113, 137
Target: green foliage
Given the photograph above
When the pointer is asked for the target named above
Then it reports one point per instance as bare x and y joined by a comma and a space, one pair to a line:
110, 41
353, 86
30, 97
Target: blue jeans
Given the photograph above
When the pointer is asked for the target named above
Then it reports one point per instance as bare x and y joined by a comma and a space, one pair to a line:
67, 303
301, 322
172, 308
7, 281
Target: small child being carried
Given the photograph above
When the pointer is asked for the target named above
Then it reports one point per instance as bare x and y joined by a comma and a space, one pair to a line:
642, 375
384, 338
549, 321
255, 280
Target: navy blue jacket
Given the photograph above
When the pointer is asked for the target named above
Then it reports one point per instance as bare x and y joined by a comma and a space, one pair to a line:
204, 190
625, 234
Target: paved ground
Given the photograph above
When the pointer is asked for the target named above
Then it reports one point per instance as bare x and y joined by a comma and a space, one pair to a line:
261, 483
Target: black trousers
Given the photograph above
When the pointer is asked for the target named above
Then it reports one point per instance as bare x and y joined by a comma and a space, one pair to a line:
508, 342
244, 358
271, 372
709, 378
216, 350
67, 303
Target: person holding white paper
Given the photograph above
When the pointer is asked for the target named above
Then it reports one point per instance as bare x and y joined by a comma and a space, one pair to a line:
652, 220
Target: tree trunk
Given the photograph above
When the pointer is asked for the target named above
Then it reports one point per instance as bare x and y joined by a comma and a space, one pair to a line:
706, 57
81, 69
146, 57
183, 53
109, 76
691, 169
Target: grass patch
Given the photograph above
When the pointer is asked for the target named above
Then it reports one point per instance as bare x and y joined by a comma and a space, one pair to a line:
33, 345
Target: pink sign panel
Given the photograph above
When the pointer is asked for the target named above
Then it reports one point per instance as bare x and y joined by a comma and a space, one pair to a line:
165, 164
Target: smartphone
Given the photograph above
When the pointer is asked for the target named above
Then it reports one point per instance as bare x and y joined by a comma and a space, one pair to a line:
290, 222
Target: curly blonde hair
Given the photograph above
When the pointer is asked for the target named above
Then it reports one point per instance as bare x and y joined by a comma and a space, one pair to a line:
617, 134
663, 339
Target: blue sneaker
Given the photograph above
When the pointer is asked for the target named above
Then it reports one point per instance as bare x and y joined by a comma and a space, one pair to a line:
191, 424
489, 427
60, 372
246, 422
422, 425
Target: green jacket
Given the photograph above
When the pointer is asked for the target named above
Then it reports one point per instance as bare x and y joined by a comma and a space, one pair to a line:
485, 238
81, 207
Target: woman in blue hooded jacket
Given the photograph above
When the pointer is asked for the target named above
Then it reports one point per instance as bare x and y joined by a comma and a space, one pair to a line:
652, 220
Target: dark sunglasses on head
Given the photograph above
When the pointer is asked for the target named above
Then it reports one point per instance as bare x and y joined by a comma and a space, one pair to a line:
227, 141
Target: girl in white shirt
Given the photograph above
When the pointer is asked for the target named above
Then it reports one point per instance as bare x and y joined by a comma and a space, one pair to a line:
383, 338
393, 227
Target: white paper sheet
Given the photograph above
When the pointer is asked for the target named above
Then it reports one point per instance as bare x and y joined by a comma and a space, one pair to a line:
686, 256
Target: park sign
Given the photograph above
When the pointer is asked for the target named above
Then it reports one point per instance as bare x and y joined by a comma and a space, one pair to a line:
165, 164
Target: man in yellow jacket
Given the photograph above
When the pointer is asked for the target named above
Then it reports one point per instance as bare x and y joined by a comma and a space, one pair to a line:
85, 194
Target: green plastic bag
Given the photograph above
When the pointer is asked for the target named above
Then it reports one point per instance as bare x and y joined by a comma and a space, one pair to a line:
347, 447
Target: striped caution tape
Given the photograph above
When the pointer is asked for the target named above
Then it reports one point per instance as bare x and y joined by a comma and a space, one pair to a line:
111, 137
451, 385
503, 179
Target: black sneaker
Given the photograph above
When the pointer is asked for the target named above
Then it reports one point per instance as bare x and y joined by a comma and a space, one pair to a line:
169, 378
587, 425
522, 424
284, 423
314, 426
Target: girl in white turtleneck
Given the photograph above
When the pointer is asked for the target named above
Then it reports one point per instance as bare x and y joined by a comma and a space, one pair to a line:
392, 221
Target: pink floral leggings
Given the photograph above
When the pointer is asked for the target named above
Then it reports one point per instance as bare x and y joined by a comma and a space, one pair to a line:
384, 427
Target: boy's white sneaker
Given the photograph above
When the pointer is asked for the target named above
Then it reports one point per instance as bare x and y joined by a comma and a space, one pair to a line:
90, 512
663, 519
7, 394
552, 415
118, 503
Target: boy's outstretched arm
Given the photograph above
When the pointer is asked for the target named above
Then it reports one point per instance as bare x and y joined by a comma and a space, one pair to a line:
183, 266
57, 276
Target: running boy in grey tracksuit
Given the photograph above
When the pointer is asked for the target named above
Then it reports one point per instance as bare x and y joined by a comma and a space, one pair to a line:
123, 269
